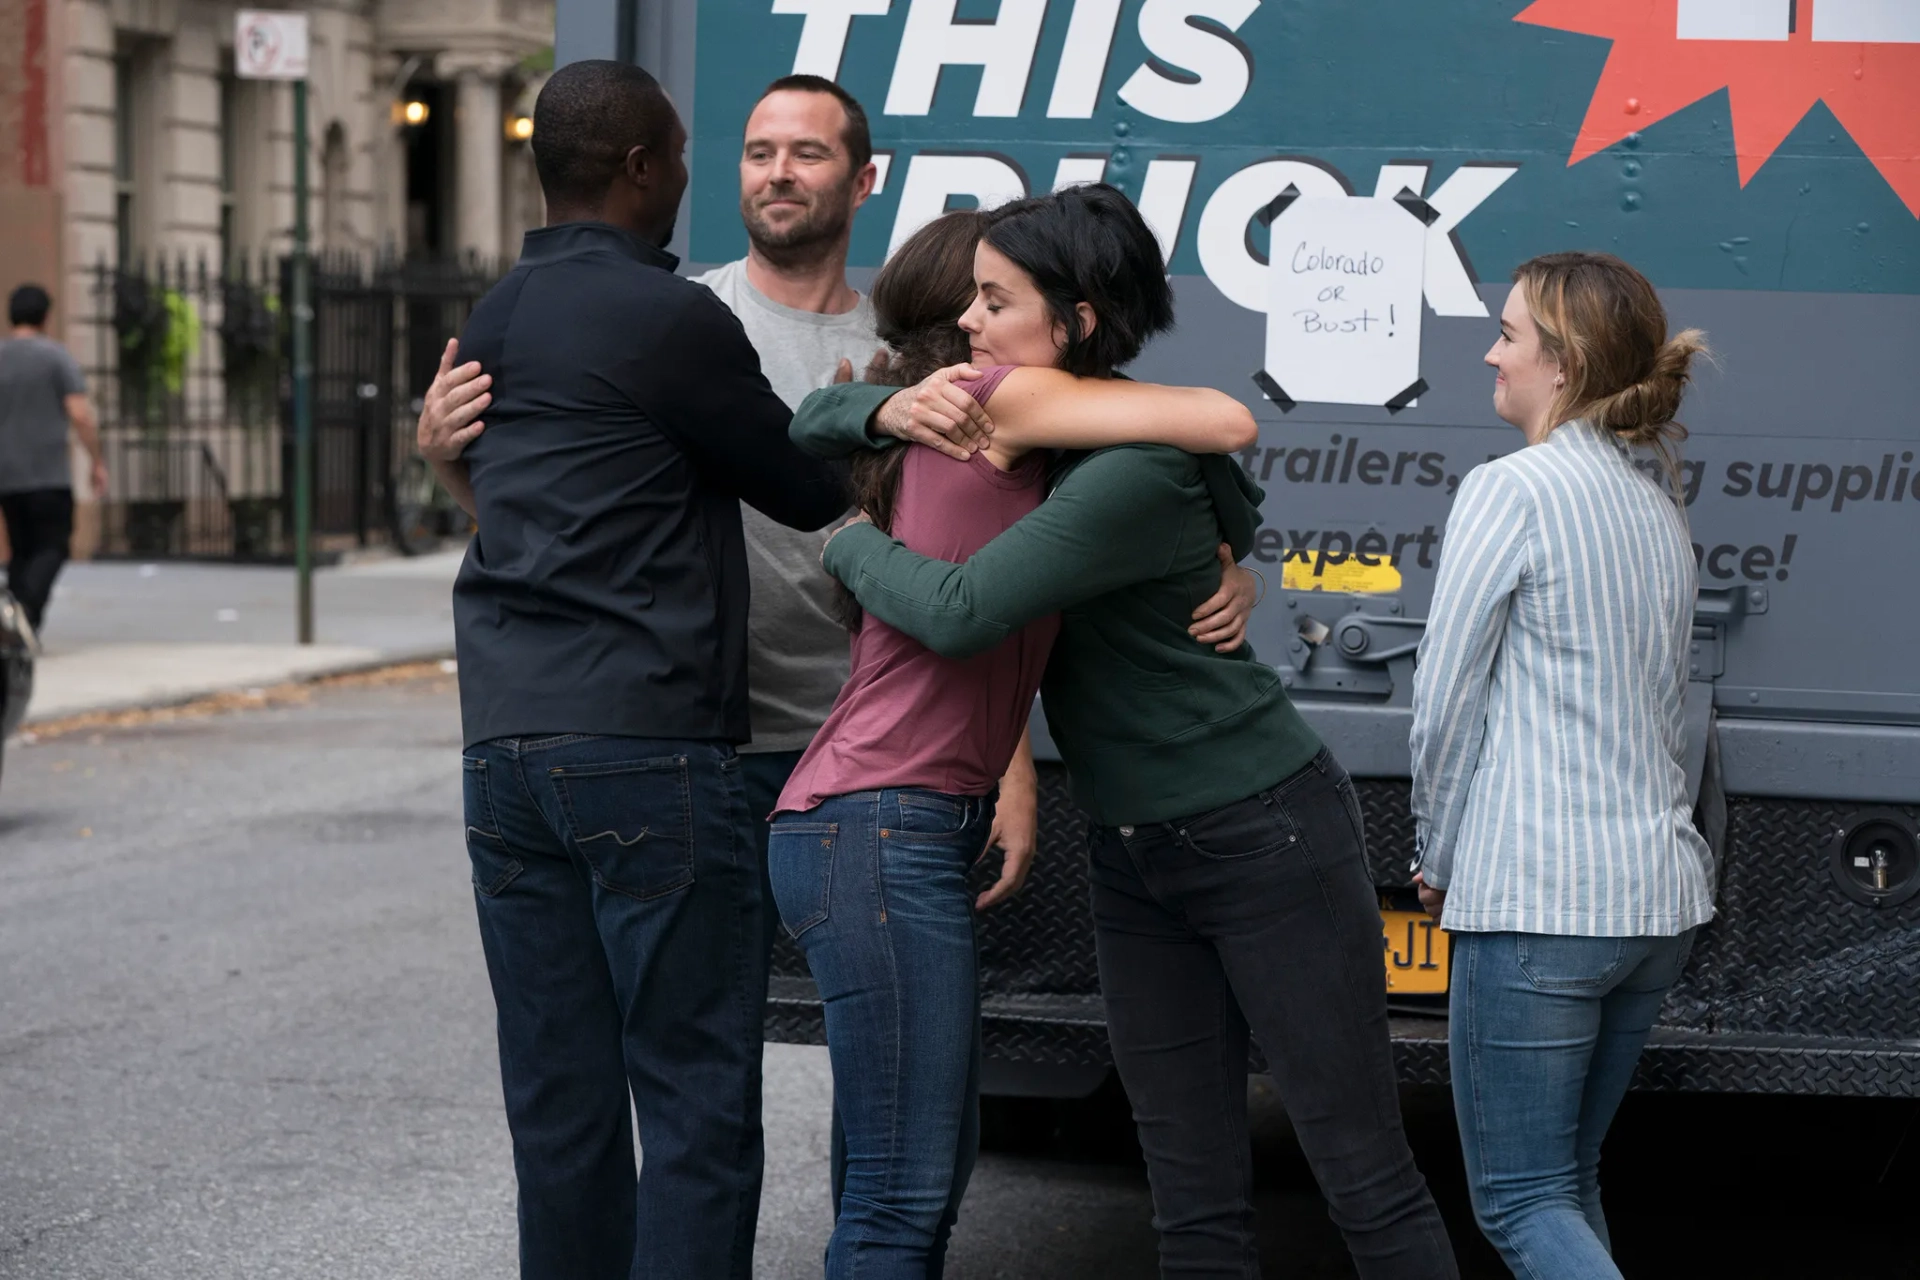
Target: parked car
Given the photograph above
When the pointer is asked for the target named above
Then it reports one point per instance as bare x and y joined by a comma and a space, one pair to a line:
16, 668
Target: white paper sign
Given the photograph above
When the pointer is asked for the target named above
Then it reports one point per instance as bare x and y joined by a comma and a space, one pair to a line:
269, 45
1343, 300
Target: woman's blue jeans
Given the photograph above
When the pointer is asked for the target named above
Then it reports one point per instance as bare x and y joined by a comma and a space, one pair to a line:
1546, 1031
873, 887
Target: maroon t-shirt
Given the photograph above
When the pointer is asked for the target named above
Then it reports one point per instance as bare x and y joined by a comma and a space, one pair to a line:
908, 717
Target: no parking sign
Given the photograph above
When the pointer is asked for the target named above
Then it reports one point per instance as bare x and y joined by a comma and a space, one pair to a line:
270, 45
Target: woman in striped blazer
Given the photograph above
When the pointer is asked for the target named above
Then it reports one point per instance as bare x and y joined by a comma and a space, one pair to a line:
1553, 824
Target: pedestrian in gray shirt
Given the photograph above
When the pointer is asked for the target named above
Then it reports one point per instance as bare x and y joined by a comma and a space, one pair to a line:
42, 396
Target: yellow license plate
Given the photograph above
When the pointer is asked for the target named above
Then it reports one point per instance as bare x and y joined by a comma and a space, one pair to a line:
1416, 953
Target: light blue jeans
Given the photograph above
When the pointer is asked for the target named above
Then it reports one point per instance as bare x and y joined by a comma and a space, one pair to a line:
873, 886
1545, 1033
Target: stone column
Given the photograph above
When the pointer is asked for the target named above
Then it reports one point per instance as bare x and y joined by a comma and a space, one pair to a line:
477, 155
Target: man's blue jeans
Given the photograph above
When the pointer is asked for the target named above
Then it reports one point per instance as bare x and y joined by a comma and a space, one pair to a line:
1546, 1031
622, 916
873, 887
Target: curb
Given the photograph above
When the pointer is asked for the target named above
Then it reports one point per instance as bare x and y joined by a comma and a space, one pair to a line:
181, 698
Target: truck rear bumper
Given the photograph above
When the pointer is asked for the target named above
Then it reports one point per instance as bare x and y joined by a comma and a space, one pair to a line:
1070, 1031
1682, 1061
1795, 987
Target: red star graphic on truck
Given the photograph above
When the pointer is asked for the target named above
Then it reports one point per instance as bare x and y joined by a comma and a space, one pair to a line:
1775, 59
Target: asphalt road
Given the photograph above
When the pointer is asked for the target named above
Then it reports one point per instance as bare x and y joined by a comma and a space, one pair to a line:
245, 1032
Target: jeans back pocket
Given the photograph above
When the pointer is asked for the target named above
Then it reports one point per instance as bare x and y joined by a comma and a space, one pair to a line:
632, 821
800, 865
1564, 962
494, 866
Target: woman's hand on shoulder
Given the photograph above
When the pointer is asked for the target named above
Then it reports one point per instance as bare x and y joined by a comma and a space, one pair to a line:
859, 517
938, 414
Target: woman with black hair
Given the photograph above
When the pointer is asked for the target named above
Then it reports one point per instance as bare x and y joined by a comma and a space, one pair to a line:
896, 796
1230, 887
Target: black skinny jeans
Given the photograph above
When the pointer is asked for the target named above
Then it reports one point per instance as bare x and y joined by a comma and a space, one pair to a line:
39, 527
1259, 913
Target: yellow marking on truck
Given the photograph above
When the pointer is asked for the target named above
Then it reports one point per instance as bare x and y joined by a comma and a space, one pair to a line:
1305, 571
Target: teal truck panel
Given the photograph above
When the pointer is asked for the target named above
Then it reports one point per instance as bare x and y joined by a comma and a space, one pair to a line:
1765, 177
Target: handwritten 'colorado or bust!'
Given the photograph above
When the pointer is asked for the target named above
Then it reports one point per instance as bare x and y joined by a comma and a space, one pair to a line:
1343, 308
1332, 314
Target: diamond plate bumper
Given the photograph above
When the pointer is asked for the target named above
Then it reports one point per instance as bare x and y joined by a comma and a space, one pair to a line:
1794, 988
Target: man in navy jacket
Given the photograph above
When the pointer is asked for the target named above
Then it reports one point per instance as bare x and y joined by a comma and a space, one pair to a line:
600, 619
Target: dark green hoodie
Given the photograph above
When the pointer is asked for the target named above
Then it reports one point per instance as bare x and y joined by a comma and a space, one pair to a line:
1152, 725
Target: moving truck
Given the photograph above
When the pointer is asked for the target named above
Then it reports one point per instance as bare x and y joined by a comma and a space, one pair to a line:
1329, 180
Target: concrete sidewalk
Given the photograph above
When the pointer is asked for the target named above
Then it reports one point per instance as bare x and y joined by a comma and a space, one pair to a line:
121, 635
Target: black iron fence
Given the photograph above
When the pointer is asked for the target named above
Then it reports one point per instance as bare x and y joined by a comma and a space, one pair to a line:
191, 373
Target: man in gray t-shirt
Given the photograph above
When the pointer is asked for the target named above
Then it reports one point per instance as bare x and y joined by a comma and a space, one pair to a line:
806, 166
42, 396
796, 645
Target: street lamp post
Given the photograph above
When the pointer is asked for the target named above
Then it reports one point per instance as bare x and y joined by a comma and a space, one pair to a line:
302, 373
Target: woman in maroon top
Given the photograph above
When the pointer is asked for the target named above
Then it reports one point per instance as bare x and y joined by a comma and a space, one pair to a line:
895, 798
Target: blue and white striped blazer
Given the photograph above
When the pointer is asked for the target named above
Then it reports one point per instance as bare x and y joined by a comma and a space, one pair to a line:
1549, 789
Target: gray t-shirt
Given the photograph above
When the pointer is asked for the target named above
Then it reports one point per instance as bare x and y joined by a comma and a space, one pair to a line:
36, 377
796, 647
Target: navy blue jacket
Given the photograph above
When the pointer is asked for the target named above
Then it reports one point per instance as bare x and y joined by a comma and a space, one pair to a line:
606, 591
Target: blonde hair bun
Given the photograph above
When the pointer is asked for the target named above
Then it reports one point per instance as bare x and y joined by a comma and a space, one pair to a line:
1644, 413
1602, 321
